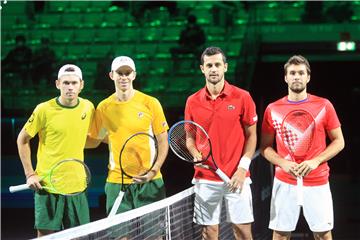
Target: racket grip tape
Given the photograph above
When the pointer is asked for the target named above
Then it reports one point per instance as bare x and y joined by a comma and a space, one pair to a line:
18, 188
116, 205
222, 175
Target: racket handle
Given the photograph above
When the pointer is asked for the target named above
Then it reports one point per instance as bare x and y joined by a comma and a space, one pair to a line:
222, 175
18, 188
226, 179
299, 191
116, 205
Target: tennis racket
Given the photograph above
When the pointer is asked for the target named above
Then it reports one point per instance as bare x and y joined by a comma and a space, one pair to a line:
135, 160
187, 139
68, 177
297, 133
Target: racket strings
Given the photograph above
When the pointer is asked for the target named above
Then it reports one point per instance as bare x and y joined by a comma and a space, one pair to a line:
178, 141
180, 136
70, 177
138, 155
298, 132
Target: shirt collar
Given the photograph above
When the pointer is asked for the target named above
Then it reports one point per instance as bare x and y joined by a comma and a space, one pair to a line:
226, 91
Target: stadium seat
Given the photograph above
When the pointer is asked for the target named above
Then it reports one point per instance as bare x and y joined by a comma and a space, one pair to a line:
47, 20
172, 33
153, 83
36, 35
16, 8
78, 6
63, 35
106, 35
92, 19
71, 20
126, 49
98, 51
57, 6
237, 32
8, 21
116, 19
99, 6
147, 48
233, 48
151, 34
84, 35
129, 34
179, 83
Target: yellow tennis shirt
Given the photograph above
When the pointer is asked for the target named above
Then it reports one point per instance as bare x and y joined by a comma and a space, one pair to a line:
119, 120
62, 132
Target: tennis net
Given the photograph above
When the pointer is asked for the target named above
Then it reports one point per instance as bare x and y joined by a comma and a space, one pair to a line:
170, 218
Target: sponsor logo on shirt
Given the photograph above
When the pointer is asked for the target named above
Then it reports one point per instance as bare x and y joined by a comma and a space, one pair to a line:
231, 107
31, 119
83, 116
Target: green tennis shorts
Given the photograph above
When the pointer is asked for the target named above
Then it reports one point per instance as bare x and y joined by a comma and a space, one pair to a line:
136, 195
56, 212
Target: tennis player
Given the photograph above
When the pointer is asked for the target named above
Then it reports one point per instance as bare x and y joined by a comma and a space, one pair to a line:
228, 115
62, 125
119, 116
317, 200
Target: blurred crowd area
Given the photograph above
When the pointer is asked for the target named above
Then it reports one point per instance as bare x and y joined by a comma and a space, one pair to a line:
165, 38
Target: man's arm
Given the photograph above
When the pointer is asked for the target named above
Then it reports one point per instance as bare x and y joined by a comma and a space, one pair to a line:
163, 147
162, 139
268, 152
337, 144
23, 143
237, 180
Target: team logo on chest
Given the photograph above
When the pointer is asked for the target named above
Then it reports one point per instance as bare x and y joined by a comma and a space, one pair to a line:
140, 114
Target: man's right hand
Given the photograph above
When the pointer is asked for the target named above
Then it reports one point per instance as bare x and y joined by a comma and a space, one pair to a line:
34, 182
290, 167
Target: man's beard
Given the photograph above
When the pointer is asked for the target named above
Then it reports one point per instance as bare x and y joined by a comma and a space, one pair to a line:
297, 89
215, 81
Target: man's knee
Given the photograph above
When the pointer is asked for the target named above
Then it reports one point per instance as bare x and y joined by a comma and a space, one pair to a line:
210, 232
323, 235
242, 231
277, 235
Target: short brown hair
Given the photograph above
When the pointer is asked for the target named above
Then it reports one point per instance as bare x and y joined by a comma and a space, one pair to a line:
297, 60
210, 51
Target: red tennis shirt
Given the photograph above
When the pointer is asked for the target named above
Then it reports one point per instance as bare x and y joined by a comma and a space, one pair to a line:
224, 119
325, 119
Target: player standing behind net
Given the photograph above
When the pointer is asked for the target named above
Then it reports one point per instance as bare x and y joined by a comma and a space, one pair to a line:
312, 166
119, 116
62, 125
228, 115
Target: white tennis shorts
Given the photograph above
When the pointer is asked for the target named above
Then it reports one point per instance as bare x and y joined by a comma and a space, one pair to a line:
317, 207
208, 204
